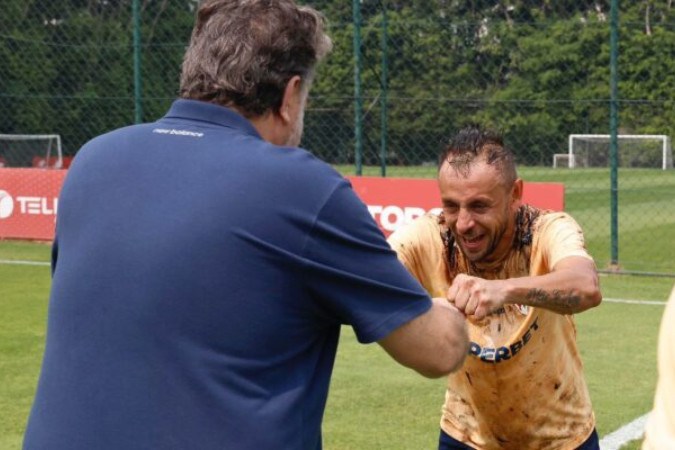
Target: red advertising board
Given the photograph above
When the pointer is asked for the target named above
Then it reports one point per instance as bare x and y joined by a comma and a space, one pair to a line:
393, 202
29, 200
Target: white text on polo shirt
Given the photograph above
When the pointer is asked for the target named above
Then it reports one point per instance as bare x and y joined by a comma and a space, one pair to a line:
175, 132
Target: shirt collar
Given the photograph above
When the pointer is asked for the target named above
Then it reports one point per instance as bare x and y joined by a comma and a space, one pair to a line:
209, 112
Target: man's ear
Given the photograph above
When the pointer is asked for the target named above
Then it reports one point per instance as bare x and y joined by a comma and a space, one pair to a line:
292, 99
517, 192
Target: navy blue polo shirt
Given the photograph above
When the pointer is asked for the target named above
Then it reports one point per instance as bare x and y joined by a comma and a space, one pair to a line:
200, 279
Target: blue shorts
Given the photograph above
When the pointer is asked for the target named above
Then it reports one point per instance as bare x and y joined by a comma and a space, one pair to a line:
447, 443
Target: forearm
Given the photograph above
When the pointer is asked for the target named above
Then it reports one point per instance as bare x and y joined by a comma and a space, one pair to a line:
566, 290
433, 344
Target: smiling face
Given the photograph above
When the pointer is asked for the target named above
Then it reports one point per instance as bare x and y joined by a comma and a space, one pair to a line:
479, 206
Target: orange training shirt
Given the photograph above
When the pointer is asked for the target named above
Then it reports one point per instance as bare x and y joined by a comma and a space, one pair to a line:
521, 386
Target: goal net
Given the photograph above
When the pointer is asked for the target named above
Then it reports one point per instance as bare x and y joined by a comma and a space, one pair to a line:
634, 150
31, 150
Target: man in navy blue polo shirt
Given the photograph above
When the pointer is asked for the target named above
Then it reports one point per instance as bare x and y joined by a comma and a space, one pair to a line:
203, 264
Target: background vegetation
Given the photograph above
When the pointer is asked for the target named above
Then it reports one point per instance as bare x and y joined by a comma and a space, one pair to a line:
536, 69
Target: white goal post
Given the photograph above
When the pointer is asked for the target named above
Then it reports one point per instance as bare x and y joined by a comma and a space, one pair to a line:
574, 160
563, 160
32, 150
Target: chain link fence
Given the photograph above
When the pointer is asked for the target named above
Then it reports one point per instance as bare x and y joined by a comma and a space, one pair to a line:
538, 71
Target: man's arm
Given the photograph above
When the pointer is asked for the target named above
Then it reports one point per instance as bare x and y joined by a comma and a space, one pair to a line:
433, 344
571, 287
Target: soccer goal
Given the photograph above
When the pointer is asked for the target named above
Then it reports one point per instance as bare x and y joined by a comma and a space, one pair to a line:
634, 150
31, 150
563, 160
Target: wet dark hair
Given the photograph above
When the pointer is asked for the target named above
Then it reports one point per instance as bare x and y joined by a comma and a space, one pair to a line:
243, 53
473, 143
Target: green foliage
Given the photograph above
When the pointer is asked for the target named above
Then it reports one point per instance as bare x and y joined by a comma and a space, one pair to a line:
536, 69
68, 66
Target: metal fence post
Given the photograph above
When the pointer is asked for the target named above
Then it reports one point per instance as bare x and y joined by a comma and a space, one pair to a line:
138, 107
383, 97
358, 101
613, 127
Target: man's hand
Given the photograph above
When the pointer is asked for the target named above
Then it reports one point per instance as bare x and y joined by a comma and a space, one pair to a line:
570, 288
475, 296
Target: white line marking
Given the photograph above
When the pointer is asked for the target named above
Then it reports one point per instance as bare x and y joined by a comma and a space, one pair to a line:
24, 263
629, 432
636, 302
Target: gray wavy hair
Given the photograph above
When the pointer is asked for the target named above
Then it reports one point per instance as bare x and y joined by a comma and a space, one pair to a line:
242, 53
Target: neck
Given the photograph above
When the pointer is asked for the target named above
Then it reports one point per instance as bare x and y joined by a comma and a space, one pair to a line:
270, 128
500, 252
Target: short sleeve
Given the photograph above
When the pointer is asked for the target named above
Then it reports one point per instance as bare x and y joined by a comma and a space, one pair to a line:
354, 274
559, 236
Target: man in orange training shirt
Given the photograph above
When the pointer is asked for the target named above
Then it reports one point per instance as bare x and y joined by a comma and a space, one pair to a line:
519, 274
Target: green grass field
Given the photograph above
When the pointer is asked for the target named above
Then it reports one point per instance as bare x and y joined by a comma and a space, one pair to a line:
22, 330
373, 403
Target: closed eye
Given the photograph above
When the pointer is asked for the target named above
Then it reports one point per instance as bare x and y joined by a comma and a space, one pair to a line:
450, 208
480, 208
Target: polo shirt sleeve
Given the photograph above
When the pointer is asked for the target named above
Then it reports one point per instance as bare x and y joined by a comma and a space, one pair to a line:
354, 275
